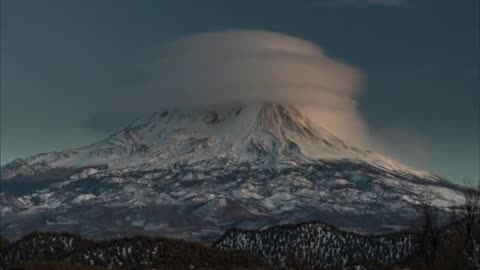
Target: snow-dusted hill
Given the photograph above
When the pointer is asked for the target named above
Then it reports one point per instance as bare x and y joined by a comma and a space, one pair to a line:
193, 174
136, 253
319, 246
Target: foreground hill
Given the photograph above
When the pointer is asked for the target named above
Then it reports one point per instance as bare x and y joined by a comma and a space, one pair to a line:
317, 245
320, 245
128, 253
56, 266
305, 246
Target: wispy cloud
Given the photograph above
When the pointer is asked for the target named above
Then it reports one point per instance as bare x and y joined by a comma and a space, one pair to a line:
363, 3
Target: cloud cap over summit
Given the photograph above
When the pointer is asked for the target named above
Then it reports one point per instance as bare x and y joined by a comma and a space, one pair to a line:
208, 69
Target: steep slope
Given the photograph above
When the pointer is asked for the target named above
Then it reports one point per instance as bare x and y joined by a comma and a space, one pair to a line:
192, 174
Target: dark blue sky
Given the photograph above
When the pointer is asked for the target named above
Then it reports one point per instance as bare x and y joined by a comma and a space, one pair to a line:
421, 62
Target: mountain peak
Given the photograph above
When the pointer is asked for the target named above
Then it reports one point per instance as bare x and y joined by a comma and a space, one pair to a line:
266, 132
275, 116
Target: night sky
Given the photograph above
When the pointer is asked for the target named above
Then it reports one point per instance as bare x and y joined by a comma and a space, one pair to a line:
420, 60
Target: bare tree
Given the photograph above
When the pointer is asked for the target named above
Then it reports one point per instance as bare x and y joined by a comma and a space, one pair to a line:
472, 222
296, 261
4, 243
427, 231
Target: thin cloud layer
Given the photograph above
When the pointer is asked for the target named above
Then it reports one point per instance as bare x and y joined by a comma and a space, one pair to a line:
210, 69
364, 3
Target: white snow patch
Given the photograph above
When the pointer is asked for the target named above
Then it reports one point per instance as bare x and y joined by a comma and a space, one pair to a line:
83, 198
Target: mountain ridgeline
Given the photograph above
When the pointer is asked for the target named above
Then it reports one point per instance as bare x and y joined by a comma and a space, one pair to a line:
312, 245
320, 245
134, 253
316, 245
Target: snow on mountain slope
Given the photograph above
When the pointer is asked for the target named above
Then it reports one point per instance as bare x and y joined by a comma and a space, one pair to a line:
273, 134
192, 174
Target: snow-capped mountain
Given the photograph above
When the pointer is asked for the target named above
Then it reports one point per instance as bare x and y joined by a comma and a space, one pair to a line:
194, 173
267, 133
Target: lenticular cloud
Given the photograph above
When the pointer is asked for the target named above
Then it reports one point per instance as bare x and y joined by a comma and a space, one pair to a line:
221, 68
